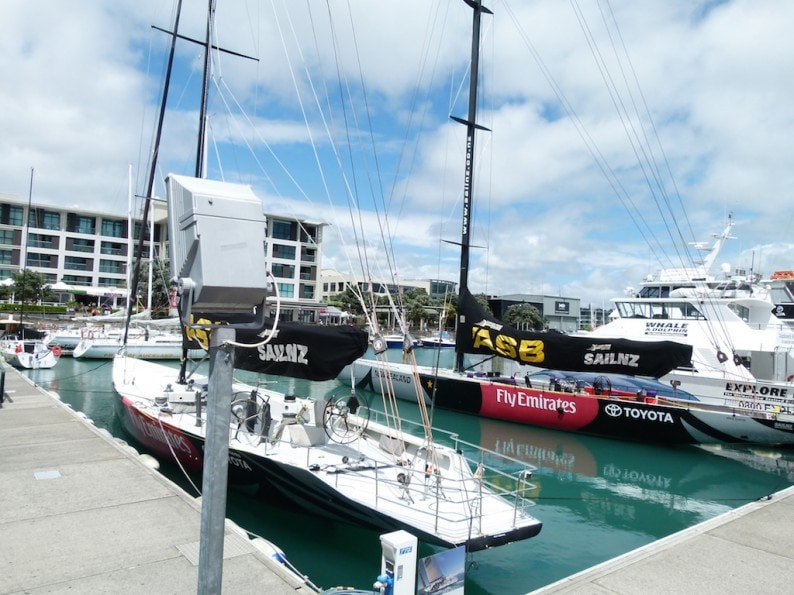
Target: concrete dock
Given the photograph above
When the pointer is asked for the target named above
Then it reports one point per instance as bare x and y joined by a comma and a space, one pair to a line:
747, 550
81, 513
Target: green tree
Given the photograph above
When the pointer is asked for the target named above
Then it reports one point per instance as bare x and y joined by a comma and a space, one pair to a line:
416, 302
29, 286
347, 301
161, 286
524, 316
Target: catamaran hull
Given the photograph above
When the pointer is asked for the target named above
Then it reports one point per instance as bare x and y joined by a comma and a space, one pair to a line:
300, 487
619, 418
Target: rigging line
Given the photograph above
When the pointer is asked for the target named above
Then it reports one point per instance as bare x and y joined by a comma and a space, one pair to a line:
652, 122
645, 143
432, 26
686, 258
383, 222
380, 219
353, 196
600, 160
308, 127
152, 170
620, 109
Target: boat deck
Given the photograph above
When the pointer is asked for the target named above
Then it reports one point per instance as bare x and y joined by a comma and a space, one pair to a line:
82, 513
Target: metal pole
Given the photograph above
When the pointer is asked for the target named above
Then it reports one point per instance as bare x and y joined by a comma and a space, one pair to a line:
216, 461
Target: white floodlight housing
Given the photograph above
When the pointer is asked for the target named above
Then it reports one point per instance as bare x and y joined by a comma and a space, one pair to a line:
216, 233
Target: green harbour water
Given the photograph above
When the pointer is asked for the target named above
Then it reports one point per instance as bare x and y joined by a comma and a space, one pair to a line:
597, 498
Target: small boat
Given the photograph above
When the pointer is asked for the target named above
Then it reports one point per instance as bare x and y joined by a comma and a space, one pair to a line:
437, 340
397, 341
68, 337
21, 346
27, 352
145, 345
25, 348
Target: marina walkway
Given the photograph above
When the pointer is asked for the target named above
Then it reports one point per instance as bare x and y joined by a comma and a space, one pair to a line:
81, 513
747, 550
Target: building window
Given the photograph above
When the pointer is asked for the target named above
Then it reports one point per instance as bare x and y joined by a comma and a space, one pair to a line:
7, 236
282, 251
37, 240
11, 215
38, 260
6, 256
309, 234
111, 266
285, 271
282, 230
82, 245
84, 224
75, 263
109, 282
77, 280
41, 219
307, 292
113, 228
286, 290
308, 254
113, 248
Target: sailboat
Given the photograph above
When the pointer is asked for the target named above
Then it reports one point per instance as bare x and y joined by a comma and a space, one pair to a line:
611, 399
328, 457
24, 347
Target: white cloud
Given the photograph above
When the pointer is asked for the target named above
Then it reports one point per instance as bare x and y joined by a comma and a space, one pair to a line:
81, 92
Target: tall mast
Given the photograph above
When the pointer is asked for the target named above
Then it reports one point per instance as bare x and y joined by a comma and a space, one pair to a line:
131, 301
24, 257
202, 132
468, 177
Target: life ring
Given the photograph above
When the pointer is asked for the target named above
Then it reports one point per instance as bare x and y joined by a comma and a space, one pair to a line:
56, 350
90, 335
18, 348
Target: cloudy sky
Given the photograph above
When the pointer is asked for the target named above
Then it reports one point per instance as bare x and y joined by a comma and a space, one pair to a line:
619, 131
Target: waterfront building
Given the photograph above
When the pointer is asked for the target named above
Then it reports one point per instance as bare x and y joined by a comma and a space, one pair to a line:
334, 282
86, 256
561, 313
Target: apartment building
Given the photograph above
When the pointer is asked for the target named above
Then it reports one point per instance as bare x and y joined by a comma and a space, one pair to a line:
87, 256
335, 282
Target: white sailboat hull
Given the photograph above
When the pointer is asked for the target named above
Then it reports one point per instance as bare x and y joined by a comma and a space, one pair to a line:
331, 462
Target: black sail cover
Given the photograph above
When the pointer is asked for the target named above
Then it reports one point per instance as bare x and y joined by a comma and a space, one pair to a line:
483, 334
309, 352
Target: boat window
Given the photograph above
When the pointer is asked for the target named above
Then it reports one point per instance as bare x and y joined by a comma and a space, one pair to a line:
634, 309
781, 295
649, 292
740, 311
668, 310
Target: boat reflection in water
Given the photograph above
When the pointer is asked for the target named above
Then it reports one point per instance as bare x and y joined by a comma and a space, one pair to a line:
636, 485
